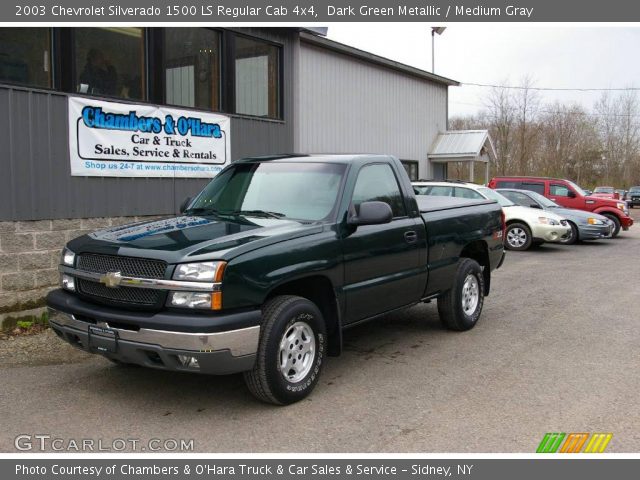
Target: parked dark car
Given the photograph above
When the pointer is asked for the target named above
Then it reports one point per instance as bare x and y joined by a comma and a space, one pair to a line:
584, 225
633, 196
268, 265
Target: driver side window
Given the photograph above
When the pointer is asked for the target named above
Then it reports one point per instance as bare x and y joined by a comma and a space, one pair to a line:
377, 182
559, 190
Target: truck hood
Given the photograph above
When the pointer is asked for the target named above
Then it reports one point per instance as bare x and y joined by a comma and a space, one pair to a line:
191, 237
602, 201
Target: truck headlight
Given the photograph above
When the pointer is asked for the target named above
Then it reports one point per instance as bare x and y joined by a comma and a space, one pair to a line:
594, 221
68, 282
192, 299
548, 221
622, 206
67, 258
200, 272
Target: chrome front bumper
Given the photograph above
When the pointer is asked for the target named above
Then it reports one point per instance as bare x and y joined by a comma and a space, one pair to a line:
216, 353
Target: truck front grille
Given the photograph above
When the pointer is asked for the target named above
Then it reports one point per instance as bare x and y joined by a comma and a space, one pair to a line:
127, 266
138, 296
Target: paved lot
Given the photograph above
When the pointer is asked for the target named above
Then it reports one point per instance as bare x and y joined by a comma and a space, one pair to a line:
557, 349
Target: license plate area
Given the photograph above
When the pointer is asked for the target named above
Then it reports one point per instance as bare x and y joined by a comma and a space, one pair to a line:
103, 339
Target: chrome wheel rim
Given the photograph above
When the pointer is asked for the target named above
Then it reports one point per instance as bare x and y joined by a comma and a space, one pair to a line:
470, 294
517, 237
297, 352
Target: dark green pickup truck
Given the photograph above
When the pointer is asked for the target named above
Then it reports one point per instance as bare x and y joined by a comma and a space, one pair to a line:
269, 263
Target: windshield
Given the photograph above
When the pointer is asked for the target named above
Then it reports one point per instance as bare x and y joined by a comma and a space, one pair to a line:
493, 195
634, 190
542, 200
577, 188
304, 191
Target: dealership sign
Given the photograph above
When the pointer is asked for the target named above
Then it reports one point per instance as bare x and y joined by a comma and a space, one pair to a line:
109, 139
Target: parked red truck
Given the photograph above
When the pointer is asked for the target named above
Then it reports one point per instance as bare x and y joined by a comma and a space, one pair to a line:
570, 195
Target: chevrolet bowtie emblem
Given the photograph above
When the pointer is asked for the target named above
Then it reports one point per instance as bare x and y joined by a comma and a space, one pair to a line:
111, 279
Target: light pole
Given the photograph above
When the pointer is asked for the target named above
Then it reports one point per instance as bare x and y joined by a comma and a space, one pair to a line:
439, 31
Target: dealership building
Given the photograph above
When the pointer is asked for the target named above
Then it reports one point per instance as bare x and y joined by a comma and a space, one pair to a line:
81, 108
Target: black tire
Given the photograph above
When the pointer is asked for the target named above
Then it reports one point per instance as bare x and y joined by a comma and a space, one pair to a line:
615, 221
266, 381
521, 229
574, 235
450, 305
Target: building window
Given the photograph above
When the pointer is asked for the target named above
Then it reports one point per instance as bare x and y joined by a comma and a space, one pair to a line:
192, 67
257, 78
110, 62
25, 56
412, 169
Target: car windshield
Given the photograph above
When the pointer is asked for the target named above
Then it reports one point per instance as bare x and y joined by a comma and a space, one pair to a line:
542, 200
306, 191
634, 190
493, 195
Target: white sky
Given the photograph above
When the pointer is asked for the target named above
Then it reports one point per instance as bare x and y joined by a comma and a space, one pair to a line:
560, 57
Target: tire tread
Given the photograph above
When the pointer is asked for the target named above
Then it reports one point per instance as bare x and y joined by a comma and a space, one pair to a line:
256, 378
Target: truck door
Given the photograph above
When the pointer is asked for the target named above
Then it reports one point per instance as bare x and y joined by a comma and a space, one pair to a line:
382, 262
565, 196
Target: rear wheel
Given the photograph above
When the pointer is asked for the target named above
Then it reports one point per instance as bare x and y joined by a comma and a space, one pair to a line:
291, 351
616, 223
573, 235
461, 306
518, 237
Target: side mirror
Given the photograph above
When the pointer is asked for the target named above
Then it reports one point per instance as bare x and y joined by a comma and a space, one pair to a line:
571, 194
185, 203
372, 213
535, 205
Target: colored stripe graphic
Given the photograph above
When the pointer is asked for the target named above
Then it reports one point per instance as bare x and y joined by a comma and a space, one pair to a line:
574, 442
550, 443
598, 442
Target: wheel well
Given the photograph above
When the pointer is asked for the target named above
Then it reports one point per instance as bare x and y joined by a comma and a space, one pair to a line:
478, 251
319, 290
517, 220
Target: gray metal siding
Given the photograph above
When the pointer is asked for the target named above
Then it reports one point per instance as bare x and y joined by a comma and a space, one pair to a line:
36, 181
348, 105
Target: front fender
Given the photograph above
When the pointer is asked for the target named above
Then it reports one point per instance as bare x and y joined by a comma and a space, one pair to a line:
614, 211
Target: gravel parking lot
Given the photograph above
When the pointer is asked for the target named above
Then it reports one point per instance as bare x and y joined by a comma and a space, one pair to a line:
556, 350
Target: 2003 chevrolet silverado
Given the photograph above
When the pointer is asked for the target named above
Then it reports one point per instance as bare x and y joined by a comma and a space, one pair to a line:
269, 263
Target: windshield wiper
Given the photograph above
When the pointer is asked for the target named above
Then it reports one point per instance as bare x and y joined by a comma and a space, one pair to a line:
261, 213
201, 211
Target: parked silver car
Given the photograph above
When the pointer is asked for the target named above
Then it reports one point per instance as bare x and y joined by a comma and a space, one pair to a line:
584, 225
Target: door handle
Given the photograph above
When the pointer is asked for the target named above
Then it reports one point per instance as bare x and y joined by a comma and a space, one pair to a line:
410, 236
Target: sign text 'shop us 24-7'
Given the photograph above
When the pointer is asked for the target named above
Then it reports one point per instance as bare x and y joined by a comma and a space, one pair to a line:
574, 443
110, 139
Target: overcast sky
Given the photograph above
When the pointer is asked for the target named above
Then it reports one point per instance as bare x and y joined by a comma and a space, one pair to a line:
559, 57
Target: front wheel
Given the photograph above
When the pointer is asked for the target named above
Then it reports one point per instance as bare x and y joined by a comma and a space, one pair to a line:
616, 224
291, 351
572, 237
518, 237
461, 306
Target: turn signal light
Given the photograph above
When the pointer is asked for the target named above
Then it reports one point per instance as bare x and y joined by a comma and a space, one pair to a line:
216, 301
